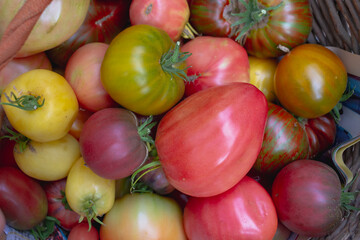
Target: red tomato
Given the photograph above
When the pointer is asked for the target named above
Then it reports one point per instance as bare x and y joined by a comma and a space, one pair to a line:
245, 211
83, 74
206, 137
214, 61
2, 222
7, 154
310, 80
58, 206
81, 232
22, 199
78, 124
307, 195
168, 15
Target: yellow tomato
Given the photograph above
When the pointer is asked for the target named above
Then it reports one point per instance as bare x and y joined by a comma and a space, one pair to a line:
262, 71
87, 193
49, 161
48, 122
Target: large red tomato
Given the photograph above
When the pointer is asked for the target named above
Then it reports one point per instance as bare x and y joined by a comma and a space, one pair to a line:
245, 211
265, 29
209, 141
214, 61
310, 80
307, 194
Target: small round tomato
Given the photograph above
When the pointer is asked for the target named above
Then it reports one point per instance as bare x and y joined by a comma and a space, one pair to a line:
81, 232
48, 105
310, 80
141, 216
48, 161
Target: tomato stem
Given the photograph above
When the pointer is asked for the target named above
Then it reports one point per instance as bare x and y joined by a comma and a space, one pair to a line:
189, 32
144, 130
20, 139
25, 102
90, 211
146, 168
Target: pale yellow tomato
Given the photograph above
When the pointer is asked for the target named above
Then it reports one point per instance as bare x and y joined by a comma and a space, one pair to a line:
48, 122
48, 161
262, 71
87, 193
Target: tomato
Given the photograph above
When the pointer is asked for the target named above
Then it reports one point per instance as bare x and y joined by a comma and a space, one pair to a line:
310, 80
6, 153
207, 136
104, 20
307, 195
285, 140
81, 232
262, 71
22, 199
83, 74
143, 216
18, 66
88, 194
265, 33
214, 61
48, 161
2, 222
111, 144
169, 15
245, 211
48, 122
133, 71
78, 124
58, 206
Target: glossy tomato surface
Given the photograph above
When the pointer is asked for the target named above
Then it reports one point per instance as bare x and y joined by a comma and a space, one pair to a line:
215, 134
133, 75
310, 80
143, 216
307, 194
245, 211
214, 61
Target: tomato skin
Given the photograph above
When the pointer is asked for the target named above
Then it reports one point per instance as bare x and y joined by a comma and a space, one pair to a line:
245, 211
78, 124
170, 15
120, 150
81, 232
131, 72
306, 194
2, 222
206, 135
310, 80
143, 216
22, 199
285, 140
215, 61
53, 120
67, 218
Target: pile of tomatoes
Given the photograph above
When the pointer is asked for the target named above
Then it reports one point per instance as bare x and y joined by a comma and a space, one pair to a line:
171, 119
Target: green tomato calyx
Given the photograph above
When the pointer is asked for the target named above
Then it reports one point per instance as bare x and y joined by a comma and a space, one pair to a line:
25, 102
135, 184
21, 140
170, 61
89, 211
144, 130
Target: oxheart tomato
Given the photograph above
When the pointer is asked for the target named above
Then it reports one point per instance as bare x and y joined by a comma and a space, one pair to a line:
285, 140
213, 134
81, 232
266, 29
214, 61
138, 70
143, 216
310, 80
111, 144
58, 206
245, 211
22, 199
307, 194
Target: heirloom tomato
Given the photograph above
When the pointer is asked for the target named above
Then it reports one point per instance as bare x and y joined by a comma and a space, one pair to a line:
285, 140
40, 104
59, 20
58, 206
245, 211
22, 199
228, 63
79, 122
48, 161
310, 80
266, 28
307, 197
214, 134
81, 232
141, 216
142, 70
87, 193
